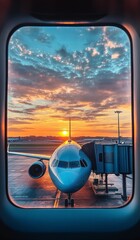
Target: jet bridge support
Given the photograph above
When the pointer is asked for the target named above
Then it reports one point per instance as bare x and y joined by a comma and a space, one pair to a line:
124, 187
106, 182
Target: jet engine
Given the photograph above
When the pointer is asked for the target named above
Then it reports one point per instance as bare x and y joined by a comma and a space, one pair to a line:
37, 169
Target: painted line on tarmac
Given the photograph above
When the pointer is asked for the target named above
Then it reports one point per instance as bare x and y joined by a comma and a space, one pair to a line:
57, 198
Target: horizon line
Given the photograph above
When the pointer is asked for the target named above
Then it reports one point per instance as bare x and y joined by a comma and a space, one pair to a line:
37, 136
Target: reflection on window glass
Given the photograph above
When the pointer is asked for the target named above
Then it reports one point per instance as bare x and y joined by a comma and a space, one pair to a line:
55, 163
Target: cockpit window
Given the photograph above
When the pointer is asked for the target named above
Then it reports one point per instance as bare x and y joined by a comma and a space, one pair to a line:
63, 164
55, 163
83, 163
74, 164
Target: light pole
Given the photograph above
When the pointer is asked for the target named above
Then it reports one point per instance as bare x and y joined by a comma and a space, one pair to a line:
118, 112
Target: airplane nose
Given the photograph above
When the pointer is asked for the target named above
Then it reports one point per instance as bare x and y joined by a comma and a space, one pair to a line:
68, 182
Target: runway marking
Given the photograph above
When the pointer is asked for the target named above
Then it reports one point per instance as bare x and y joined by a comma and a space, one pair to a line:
57, 198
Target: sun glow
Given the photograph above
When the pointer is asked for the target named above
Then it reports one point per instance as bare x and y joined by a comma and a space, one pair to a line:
65, 133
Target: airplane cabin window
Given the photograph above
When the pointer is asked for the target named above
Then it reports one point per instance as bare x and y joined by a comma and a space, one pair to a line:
69, 97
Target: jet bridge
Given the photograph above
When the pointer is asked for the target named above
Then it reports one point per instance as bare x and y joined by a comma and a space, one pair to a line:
110, 158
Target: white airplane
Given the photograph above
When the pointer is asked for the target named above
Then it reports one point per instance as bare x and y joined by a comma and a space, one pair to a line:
69, 167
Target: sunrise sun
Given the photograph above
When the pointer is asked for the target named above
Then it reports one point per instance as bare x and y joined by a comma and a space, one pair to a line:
65, 133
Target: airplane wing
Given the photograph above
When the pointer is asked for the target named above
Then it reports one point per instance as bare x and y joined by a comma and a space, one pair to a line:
37, 156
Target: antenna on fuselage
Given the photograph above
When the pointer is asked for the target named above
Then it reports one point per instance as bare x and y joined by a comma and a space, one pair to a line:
69, 129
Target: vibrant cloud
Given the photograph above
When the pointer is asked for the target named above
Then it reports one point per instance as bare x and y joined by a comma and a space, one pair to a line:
57, 72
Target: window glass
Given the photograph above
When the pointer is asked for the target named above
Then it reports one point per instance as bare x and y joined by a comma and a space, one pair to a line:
74, 164
55, 163
63, 164
81, 72
83, 163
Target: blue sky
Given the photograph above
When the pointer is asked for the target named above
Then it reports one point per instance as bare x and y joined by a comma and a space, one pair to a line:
54, 72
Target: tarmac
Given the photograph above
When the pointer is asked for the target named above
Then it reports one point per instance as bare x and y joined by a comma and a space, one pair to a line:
25, 192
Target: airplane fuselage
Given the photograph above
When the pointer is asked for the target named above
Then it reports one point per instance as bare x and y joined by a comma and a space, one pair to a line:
69, 167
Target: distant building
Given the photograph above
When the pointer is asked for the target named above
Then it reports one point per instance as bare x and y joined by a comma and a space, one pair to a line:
13, 139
